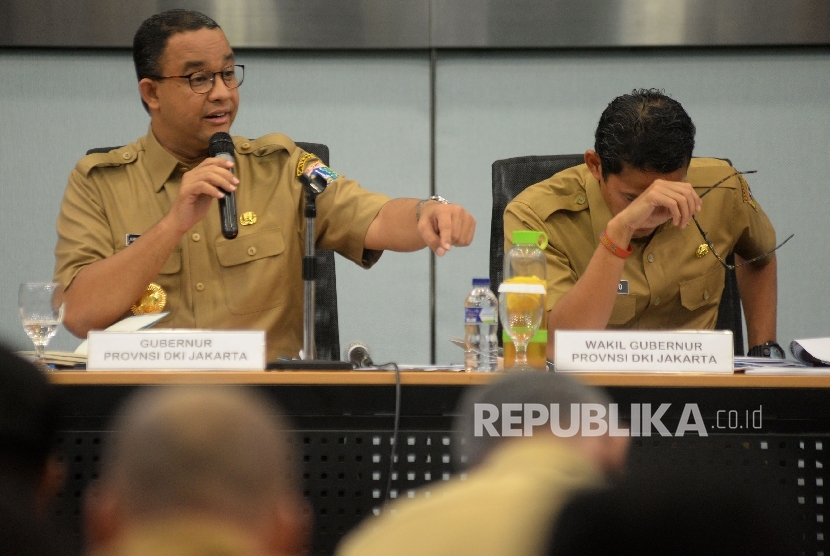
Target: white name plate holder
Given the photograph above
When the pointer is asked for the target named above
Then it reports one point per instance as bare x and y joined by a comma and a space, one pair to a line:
178, 350
644, 351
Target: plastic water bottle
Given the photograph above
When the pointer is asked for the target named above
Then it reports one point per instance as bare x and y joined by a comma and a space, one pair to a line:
480, 324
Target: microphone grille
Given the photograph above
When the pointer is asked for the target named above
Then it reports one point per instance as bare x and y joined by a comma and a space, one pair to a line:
220, 142
357, 345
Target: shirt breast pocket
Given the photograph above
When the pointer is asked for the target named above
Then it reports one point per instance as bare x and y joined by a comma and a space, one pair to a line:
170, 280
251, 268
704, 291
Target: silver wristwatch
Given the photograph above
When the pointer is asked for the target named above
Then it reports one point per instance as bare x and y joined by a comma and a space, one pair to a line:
438, 198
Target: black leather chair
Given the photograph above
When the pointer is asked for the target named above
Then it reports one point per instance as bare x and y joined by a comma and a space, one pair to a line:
326, 322
512, 175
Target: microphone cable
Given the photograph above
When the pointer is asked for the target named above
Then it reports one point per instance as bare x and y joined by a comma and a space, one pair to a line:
393, 452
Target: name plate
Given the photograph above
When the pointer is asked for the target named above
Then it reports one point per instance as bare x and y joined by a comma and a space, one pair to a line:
191, 350
696, 351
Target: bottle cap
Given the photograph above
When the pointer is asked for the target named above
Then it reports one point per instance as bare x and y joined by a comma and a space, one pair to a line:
481, 282
530, 237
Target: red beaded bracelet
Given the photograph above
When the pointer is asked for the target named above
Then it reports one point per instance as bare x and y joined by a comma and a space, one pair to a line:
614, 248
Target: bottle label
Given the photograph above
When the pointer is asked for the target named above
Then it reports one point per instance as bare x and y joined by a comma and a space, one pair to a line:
480, 315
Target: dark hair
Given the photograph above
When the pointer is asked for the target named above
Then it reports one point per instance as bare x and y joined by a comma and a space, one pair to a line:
682, 511
470, 450
151, 38
28, 418
646, 130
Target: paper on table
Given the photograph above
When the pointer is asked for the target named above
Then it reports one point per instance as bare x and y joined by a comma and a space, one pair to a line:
129, 324
742, 362
815, 351
417, 367
782, 371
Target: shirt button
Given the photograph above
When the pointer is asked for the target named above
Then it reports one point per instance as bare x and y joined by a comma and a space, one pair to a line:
651, 257
183, 169
127, 156
245, 145
580, 200
252, 251
200, 286
657, 301
705, 294
195, 237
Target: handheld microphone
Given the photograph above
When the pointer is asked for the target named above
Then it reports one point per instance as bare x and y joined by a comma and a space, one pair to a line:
359, 356
221, 146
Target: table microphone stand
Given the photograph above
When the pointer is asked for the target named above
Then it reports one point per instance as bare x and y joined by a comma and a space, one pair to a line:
313, 187
309, 269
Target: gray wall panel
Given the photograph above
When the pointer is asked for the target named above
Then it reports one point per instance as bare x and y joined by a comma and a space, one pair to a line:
768, 111
373, 112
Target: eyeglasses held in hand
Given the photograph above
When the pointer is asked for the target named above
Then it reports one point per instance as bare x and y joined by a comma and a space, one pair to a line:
720, 259
202, 81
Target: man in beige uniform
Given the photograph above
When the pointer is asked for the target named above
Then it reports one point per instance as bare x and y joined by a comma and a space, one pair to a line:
514, 485
623, 251
145, 213
196, 470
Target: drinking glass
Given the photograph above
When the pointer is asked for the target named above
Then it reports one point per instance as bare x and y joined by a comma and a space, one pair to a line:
40, 307
521, 307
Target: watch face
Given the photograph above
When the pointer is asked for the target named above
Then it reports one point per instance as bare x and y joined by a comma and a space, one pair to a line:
775, 351
769, 349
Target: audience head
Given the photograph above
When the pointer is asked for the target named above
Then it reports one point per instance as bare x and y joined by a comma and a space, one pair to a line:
645, 130
28, 427
217, 453
470, 449
151, 38
673, 513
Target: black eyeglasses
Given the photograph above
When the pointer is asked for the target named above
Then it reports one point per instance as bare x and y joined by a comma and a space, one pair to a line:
712, 246
202, 81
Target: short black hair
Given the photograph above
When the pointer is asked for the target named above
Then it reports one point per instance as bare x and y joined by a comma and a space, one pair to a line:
151, 38
646, 130
470, 450
28, 418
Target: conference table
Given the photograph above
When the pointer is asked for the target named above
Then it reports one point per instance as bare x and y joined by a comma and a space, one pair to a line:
766, 431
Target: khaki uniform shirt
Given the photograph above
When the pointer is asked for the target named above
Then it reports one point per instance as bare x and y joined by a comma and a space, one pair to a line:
669, 286
251, 282
177, 535
505, 507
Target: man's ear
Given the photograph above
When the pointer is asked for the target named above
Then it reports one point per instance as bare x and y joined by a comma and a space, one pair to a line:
148, 89
50, 484
594, 164
289, 530
102, 518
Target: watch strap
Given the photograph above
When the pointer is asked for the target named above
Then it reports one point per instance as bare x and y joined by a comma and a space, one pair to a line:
767, 349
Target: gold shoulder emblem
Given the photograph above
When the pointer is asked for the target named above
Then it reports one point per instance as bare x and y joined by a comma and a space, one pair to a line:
747, 194
302, 162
